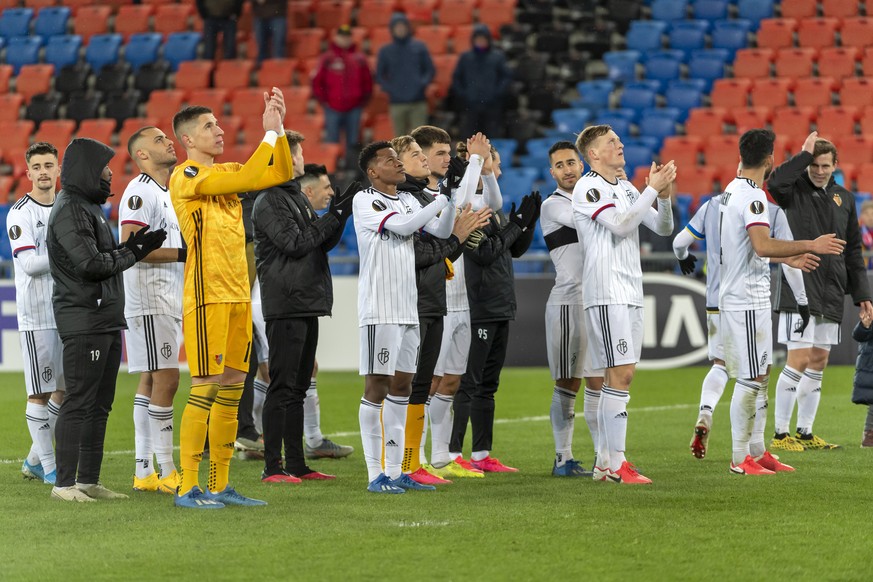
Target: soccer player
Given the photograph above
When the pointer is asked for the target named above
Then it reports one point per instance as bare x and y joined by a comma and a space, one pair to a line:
153, 309
744, 297
41, 346
385, 220
567, 342
217, 318
815, 204
607, 212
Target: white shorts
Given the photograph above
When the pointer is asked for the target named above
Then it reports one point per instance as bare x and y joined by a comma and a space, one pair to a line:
455, 347
716, 343
748, 342
386, 349
43, 354
615, 335
153, 343
820, 333
567, 343
259, 326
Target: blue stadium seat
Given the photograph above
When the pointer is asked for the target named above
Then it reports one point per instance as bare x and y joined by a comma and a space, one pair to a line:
594, 94
349, 238
755, 11
637, 96
687, 37
344, 268
526, 267
708, 65
102, 50
181, 46
670, 113
539, 242
658, 126
642, 140
637, 155
63, 50
15, 22
506, 147
669, 10
645, 35
538, 145
142, 49
662, 68
622, 65
22, 50
515, 182
685, 95
683, 203
619, 124
51, 21
710, 9
731, 35
570, 120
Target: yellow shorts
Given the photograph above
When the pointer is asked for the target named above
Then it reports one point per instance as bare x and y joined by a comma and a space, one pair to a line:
218, 335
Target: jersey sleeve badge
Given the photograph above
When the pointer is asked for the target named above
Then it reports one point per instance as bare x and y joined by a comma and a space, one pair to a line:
593, 195
757, 207
135, 202
379, 206
14, 232
191, 171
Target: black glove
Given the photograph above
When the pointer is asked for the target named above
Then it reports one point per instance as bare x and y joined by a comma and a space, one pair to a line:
526, 211
458, 167
142, 242
538, 200
446, 186
341, 205
803, 311
686, 265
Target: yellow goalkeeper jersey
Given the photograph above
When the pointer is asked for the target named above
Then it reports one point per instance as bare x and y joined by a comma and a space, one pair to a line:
206, 200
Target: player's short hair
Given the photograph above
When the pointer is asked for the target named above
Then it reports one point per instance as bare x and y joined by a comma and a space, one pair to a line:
368, 153
823, 146
402, 143
428, 136
562, 145
40, 148
186, 115
587, 137
755, 146
295, 138
131, 143
311, 173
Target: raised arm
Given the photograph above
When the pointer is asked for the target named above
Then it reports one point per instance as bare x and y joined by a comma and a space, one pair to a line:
406, 224
782, 178
254, 173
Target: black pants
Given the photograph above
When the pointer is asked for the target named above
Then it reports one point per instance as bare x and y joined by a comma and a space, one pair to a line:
90, 370
475, 397
211, 28
430, 330
246, 423
488, 120
292, 357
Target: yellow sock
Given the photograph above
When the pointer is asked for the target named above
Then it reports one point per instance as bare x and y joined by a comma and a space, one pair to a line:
414, 427
192, 433
222, 434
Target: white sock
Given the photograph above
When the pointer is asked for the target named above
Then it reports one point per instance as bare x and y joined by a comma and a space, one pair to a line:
258, 404
54, 410
808, 398
786, 395
440, 411
37, 416
161, 426
312, 416
590, 408
613, 419
756, 443
422, 455
712, 389
394, 424
743, 417
562, 414
369, 417
479, 455
142, 436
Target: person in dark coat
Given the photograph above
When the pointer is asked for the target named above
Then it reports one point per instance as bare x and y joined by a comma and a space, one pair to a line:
88, 301
270, 25
219, 16
862, 390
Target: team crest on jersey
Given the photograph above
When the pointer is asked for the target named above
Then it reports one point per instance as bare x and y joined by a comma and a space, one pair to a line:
763, 359
191, 171
167, 351
134, 203
219, 358
593, 195
621, 346
379, 206
14, 232
757, 207
838, 200
47, 374
383, 356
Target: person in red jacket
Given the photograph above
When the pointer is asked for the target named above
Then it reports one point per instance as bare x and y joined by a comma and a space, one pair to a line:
343, 85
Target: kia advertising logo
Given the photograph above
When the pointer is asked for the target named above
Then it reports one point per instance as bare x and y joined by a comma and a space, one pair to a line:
674, 322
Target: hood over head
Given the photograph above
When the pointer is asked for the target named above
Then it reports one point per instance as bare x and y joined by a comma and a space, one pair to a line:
83, 164
397, 18
483, 31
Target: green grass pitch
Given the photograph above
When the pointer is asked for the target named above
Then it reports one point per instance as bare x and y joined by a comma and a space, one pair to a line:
696, 522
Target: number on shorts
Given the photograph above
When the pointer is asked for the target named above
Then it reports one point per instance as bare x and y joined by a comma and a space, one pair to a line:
483, 333
95, 355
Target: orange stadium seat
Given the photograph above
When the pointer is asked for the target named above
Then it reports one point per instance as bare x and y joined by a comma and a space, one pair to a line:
435, 37
855, 149
33, 80
866, 121
306, 43
792, 122
379, 101
91, 20
15, 158
247, 102
56, 131
421, 11
864, 178
704, 121
375, 13
6, 188
119, 163
310, 126
837, 120
276, 72
75, 5
215, 99
99, 129
232, 74
696, 180
857, 32
165, 104
721, 150
725, 174
753, 63
15, 135
299, 14
857, 91
840, 8
867, 62
683, 149
817, 32
815, 91
746, 118
455, 12
795, 62
131, 125
445, 67
158, 3
730, 93
5, 75
360, 35
838, 62
379, 37
776, 33
133, 18
325, 154
798, 8
297, 99
231, 124
462, 38
850, 173
331, 14
496, 13
771, 92
171, 18
194, 74
306, 68
23, 187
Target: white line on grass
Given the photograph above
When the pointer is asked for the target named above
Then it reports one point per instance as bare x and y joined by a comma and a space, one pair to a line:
496, 421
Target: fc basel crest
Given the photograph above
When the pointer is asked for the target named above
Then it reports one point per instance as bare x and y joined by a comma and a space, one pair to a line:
134, 203
593, 195
379, 206
191, 171
757, 207
838, 200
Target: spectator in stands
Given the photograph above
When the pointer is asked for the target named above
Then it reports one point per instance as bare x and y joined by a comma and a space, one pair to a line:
480, 84
219, 16
343, 85
867, 230
270, 27
404, 70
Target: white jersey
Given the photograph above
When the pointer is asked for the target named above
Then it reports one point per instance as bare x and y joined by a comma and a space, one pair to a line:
562, 240
387, 292
456, 288
704, 225
152, 288
745, 277
26, 226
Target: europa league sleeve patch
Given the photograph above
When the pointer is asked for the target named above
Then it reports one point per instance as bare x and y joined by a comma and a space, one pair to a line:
757, 207
14, 232
593, 195
134, 203
191, 171
379, 206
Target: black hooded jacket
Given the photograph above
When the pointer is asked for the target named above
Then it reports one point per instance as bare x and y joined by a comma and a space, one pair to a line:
812, 212
85, 260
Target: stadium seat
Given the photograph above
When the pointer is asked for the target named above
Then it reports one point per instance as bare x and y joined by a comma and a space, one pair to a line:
687, 37
331, 14
91, 20
215, 99
151, 77
56, 131
620, 124
837, 120
10, 105
276, 72
755, 11
731, 35
43, 106
814, 91
792, 122
496, 13
754, 63
181, 46
247, 102
817, 32
637, 155
305, 43
170, 18
645, 35
838, 62
864, 177
164, 104
866, 121
230, 74
570, 120
33, 80
683, 149
795, 62
132, 19
594, 94
776, 33
710, 9
857, 32
707, 65
62, 51
637, 96
51, 21
112, 78
839, 8
622, 65
299, 14
799, 8
746, 118
83, 105
5, 75
15, 22
435, 37
659, 126
662, 68
102, 50
853, 149
705, 121
15, 135
856, 92
730, 93
22, 50
194, 74
771, 92
685, 96
375, 13
121, 106
379, 37
669, 10
721, 150
696, 180
142, 49
99, 129
455, 12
